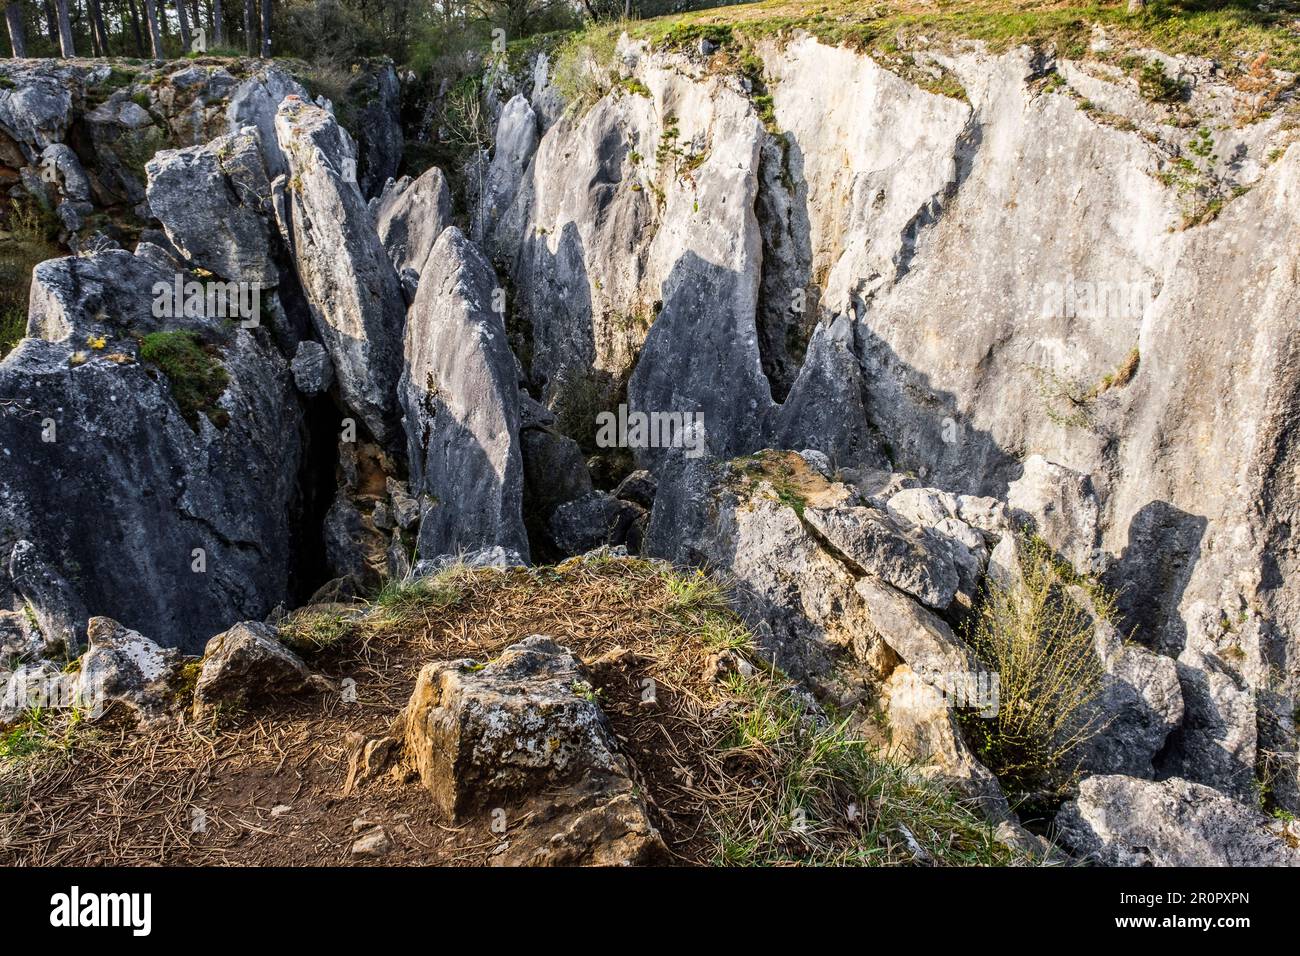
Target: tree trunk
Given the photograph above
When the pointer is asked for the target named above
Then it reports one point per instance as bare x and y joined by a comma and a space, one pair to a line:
135, 27
97, 26
52, 22
266, 29
1136, 6
250, 27
14, 17
155, 34
184, 20
218, 24
65, 29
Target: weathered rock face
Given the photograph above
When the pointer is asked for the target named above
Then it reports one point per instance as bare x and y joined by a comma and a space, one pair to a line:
880, 545
460, 395
410, 216
494, 736
212, 201
356, 302
1059, 506
55, 605
188, 520
377, 95
1121, 821
640, 216
1140, 705
254, 103
515, 142
993, 312
123, 671
838, 622
245, 666
105, 120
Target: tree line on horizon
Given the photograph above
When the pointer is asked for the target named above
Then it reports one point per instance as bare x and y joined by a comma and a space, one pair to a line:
162, 29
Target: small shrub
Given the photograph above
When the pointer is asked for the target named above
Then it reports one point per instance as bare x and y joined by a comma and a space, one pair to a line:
196, 377
1158, 86
1040, 642
586, 67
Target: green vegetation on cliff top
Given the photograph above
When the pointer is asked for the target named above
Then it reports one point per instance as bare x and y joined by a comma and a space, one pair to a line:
1225, 31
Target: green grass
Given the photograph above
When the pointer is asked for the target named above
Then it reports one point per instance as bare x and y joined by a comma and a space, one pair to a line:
1227, 31
196, 376
819, 795
407, 602
314, 631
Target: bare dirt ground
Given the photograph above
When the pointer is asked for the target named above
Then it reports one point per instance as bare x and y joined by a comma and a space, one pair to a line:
270, 790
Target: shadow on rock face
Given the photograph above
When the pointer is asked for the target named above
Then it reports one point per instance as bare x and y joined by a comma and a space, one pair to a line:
1164, 544
926, 430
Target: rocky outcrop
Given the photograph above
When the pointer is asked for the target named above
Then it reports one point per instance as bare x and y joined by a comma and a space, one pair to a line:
181, 516
356, 301
410, 215
1120, 821
460, 396
521, 728
515, 142
247, 666
376, 98
124, 672
834, 588
213, 201
254, 102
986, 312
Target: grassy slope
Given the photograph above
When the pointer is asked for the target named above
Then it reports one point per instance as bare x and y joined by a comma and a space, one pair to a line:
1227, 31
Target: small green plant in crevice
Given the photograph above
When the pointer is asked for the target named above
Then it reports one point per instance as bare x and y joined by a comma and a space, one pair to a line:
187, 680
1038, 637
1157, 86
194, 372
635, 86
779, 474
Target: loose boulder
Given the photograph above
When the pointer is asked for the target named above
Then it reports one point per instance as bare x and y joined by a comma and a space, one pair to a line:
248, 665
124, 671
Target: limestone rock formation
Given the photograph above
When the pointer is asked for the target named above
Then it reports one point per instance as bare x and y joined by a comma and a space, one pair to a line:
460, 396
1122, 821
190, 506
356, 301
410, 215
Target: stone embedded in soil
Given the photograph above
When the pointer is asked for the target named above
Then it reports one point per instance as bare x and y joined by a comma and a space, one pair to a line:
520, 728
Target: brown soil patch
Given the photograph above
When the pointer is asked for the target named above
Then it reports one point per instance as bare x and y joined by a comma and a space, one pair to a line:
118, 796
